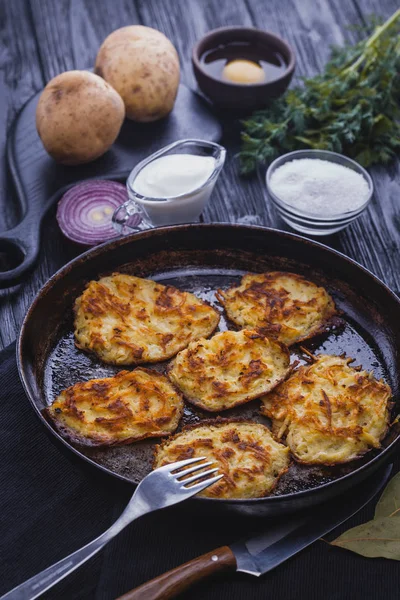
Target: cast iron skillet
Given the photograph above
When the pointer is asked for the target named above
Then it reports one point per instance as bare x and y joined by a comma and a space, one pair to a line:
202, 258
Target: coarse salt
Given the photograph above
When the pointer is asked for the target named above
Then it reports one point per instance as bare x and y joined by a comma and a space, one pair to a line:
319, 187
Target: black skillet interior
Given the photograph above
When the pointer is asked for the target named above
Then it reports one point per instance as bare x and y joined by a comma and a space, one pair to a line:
201, 259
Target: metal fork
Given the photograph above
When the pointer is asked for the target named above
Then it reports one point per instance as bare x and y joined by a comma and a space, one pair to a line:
163, 487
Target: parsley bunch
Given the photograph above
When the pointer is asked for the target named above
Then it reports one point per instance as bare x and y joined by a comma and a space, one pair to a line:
351, 108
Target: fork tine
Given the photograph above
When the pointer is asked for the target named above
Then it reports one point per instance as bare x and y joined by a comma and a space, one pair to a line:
192, 469
178, 465
202, 485
197, 476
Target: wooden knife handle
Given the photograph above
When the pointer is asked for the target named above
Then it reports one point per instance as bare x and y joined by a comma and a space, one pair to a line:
177, 580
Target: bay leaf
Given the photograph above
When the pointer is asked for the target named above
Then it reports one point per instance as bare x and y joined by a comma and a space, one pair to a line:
389, 503
377, 538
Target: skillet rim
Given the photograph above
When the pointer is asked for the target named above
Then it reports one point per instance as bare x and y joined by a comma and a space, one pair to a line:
120, 241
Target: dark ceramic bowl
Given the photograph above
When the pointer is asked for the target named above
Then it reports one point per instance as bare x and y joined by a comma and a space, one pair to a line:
236, 96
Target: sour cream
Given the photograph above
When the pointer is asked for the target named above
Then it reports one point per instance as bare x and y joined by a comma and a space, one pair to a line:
173, 175
174, 184
173, 188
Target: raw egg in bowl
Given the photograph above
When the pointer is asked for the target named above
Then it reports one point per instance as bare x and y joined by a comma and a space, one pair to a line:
242, 68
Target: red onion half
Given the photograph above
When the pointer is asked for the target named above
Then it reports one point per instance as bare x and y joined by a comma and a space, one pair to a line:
85, 211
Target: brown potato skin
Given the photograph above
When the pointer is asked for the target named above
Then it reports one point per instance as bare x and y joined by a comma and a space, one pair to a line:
78, 117
143, 66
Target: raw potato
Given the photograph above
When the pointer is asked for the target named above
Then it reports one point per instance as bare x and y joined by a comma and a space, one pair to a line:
143, 66
78, 117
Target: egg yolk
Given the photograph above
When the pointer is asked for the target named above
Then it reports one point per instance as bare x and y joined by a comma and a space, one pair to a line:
243, 71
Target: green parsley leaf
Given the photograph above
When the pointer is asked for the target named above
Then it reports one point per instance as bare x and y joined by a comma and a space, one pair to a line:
352, 107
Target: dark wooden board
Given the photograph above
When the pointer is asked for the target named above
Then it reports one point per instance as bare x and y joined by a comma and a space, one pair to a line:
38, 179
41, 38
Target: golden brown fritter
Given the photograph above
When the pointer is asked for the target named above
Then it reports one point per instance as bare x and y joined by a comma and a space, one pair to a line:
329, 412
244, 452
231, 368
283, 305
127, 320
117, 410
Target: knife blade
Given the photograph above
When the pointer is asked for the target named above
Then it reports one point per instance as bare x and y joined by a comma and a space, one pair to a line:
266, 551
263, 552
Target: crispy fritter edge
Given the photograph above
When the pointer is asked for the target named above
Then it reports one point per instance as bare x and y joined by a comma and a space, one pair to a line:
390, 406
196, 402
71, 436
223, 421
218, 421
333, 319
147, 361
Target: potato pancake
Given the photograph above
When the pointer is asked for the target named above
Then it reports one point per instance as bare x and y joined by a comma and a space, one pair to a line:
285, 306
231, 368
245, 453
117, 410
329, 412
127, 320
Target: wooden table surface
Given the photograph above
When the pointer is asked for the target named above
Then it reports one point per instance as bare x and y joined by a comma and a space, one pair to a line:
41, 38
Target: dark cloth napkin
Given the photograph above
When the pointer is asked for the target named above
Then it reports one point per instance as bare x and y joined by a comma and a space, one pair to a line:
50, 506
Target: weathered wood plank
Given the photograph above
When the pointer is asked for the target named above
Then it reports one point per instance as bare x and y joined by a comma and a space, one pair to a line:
67, 35
20, 75
374, 239
184, 27
41, 38
234, 200
14, 302
312, 28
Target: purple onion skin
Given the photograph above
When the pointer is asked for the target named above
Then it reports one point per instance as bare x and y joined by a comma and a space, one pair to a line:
85, 211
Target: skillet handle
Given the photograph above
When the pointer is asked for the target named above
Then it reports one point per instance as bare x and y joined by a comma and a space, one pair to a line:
178, 580
19, 248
